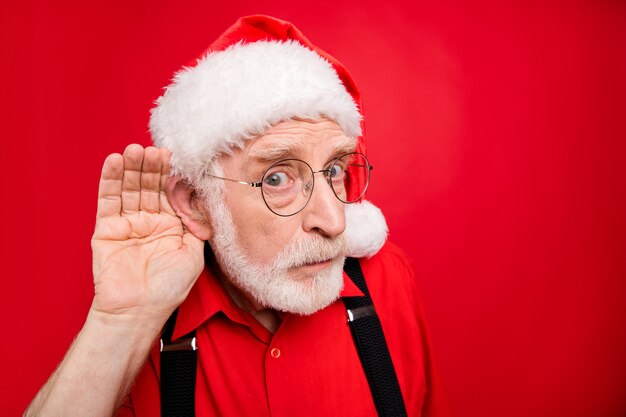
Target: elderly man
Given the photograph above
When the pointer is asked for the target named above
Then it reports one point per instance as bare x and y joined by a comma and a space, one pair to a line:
260, 155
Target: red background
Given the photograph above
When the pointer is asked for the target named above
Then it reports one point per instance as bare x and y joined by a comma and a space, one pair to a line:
497, 131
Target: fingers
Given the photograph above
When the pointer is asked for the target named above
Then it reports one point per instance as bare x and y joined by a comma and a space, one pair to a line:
165, 174
133, 181
150, 180
110, 188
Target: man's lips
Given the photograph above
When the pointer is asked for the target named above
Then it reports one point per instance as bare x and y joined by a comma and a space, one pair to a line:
315, 266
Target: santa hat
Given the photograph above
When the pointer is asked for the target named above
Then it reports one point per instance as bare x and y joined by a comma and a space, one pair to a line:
261, 71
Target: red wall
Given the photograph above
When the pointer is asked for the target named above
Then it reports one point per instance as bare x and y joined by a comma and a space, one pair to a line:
498, 135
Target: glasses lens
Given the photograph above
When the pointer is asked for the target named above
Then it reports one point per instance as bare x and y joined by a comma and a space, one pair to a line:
287, 186
350, 176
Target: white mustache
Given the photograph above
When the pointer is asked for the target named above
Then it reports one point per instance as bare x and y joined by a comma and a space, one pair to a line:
309, 251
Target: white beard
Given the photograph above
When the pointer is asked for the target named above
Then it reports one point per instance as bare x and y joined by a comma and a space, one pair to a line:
274, 286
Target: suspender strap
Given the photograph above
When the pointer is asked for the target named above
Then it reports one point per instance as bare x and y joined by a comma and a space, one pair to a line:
372, 347
178, 372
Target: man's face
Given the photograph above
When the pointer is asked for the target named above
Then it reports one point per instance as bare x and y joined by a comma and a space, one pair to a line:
287, 263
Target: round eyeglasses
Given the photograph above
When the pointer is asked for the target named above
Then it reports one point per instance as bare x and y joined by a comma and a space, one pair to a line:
287, 185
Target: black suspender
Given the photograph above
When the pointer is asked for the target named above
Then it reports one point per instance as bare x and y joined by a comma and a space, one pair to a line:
178, 372
179, 358
372, 347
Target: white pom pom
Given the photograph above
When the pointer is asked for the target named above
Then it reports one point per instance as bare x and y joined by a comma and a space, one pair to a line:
366, 229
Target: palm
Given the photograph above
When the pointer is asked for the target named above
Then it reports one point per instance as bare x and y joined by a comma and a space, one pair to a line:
145, 261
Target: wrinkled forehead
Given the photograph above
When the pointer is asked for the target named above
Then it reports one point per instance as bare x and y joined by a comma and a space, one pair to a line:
299, 138
316, 141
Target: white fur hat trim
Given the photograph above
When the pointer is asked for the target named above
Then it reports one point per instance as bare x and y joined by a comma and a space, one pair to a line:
366, 229
232, 95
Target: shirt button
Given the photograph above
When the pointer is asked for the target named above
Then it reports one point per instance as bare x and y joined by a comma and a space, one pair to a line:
275, 353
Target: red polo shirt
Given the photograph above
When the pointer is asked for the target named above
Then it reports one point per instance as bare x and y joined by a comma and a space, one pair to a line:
309, 367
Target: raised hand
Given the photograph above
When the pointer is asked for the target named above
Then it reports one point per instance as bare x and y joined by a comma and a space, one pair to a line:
144, 264
144, 260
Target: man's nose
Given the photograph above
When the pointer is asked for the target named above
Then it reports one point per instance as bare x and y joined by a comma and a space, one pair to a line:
324, 213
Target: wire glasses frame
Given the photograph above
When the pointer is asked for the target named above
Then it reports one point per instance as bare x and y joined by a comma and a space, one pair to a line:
287, 185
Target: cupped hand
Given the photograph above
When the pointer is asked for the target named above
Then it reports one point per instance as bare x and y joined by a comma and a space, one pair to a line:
144, 260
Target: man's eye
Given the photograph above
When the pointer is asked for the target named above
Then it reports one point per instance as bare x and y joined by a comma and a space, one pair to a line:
276, 179
336, 172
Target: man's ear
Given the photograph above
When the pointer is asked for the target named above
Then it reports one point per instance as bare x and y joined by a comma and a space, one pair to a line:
182, 199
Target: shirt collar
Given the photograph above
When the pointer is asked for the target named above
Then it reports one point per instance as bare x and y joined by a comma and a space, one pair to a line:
208, 297
350, 289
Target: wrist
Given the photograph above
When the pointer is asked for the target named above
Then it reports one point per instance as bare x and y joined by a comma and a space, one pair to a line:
128, 340
134, 325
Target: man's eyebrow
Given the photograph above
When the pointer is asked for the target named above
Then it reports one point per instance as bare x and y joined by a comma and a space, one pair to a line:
279, 149
346, 145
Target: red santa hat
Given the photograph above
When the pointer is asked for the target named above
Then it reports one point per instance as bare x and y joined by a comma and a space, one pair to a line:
261, 71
